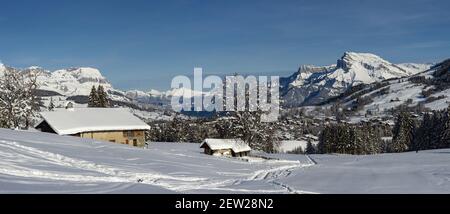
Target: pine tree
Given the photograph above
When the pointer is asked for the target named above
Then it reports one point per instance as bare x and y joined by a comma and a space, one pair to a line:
51, 105
102, 97
310, 148
435, 130
403, 133
93, 98
325, 140
445, 136
422, 139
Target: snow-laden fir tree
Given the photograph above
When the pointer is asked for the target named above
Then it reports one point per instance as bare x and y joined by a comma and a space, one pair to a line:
93, 98
445, 136
102, 97
424, 133
403, 133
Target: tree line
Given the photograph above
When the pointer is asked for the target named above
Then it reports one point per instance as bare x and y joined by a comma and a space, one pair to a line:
408, 134
346, 138
432, 132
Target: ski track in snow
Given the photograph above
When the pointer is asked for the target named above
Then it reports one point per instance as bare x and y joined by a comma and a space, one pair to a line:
273, 175
105, 173
111, 174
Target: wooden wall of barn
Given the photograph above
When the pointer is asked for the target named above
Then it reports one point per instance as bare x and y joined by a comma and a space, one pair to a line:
133, 138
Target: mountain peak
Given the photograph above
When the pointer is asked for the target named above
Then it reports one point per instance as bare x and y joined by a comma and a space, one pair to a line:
313, 84
86, 72
360, 55
34, 67
351, 58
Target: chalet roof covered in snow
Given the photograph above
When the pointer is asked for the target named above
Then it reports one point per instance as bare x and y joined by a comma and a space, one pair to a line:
78, 120
234, 144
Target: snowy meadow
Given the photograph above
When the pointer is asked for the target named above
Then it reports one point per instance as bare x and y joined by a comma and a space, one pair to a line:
33, 162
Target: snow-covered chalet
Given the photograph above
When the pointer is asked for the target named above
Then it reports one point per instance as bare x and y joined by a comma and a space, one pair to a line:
115, 125
225, 147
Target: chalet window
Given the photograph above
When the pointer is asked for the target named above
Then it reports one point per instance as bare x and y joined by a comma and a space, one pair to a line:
128, 134
113, 141
126, 141
134, 142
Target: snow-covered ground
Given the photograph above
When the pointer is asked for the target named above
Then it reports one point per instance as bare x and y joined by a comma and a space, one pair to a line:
423, 172
32, 162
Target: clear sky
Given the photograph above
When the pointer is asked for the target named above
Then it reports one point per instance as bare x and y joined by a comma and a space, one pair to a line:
143, 44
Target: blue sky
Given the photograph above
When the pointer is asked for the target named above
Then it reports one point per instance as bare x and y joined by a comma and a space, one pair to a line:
143, 44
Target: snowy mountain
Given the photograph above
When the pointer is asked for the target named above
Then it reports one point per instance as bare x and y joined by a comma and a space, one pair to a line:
310, 85
181, 92
313, 85
70, 82
75, 84
162, 98
427, 90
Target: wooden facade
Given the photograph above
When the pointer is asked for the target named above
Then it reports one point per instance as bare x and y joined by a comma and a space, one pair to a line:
221, 152
240, 154
129, 137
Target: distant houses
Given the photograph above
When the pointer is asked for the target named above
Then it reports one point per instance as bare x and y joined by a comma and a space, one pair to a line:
115, 125
225, 147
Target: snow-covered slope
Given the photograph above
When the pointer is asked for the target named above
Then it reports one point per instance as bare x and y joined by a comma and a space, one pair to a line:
425, 172
47, 163
312, 85
414, 68
33, 162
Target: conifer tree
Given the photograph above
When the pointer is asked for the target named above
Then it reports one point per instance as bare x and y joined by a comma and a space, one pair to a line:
51, 105
403, 133
93, 98
102, 97
310, 149
445, 136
